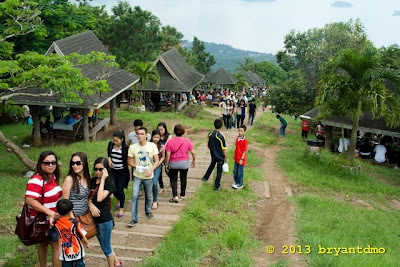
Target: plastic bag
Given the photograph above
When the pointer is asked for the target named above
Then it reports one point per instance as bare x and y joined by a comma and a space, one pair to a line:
30, 121
225, 167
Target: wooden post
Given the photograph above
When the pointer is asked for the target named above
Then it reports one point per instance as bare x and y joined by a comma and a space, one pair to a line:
188, 98
328, 139
85, 123
37, 138
176, 101
113, 118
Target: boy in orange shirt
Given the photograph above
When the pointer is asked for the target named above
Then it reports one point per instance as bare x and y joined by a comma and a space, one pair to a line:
240, 158
71, 235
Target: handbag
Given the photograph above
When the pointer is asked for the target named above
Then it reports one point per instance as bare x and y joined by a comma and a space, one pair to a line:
87, 221
32, 230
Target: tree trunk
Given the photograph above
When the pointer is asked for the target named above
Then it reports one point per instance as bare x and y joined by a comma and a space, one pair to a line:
113, 117
37, 138
342, 132
11, 147
85, 125
354, 128
328, 139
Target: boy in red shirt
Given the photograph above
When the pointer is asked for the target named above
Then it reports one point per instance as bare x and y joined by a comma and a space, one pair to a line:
240, 158
71, 235
305, 124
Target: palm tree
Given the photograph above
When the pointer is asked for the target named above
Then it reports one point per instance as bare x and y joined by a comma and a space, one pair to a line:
146, 73
361, 76
240, 83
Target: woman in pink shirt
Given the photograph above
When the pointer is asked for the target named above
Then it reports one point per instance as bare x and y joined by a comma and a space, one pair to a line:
177, 160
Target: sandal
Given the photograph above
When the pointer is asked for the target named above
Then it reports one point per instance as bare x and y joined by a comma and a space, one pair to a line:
155, 205
172, 200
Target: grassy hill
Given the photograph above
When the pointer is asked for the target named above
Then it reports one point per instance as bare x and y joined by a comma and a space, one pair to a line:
228, 57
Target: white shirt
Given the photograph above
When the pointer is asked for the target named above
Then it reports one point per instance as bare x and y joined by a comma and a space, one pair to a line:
26, 110
380, 152
346, 145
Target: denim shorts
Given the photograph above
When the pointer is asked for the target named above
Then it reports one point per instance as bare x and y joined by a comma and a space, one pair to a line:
104, 236
53, 235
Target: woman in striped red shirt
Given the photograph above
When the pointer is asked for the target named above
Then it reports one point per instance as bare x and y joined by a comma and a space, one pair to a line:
47, 175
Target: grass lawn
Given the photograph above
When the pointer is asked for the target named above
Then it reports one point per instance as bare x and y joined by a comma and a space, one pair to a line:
327, 213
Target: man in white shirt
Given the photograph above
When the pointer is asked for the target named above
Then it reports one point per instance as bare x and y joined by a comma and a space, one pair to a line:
380, 153
346, 145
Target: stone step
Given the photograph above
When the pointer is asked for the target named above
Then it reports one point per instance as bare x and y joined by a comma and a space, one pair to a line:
99, 260
135, 239
122, 251
142, 228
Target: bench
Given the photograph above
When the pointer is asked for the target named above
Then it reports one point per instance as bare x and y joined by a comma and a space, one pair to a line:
103, 124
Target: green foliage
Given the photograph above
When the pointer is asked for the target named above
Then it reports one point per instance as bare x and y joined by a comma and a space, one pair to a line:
56, 74
146, 73
240, 83
390, 56
198, 57
270, 72
134, 34
306, 51
293, 96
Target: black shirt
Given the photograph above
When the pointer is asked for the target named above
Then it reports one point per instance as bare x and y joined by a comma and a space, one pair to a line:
252, 108
216, 143
103, 206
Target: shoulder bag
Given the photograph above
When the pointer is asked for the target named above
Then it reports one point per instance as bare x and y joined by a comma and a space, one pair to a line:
32, 230
87, 221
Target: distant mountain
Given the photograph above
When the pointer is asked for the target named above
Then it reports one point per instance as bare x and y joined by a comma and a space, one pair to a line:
228, 57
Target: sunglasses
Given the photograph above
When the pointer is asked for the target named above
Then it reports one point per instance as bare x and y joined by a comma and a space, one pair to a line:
48, 163
77, 163
98, 169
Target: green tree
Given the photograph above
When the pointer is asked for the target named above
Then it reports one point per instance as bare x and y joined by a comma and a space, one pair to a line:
171, 37
59, 19
361, 75
146, 73
390, 56
133, 34
240, 83
270, 72
198, 57
55, 74
307, 51
292, 96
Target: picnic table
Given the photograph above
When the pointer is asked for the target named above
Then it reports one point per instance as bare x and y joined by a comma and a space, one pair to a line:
73, 127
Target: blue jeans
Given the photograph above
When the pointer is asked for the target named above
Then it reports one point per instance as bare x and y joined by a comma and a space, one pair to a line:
104, 236
77, 263
156, 173
282, 130
148, 187
238, 171
251, 118
219, 171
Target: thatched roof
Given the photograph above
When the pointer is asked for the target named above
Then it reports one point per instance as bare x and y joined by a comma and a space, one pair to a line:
118, 81
175, 74
249, 79
206, 78
366, 124
222, 77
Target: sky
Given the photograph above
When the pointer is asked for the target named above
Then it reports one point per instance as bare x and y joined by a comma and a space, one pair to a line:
261, 25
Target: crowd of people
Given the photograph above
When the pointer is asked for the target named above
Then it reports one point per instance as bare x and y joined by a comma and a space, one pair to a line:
142, 157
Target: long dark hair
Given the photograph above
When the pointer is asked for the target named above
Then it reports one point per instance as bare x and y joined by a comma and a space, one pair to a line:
104, 161
74, 175
39, 170
159, 143
121, 135
166, 134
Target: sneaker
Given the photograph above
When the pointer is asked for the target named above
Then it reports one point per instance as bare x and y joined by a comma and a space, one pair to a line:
149, 215
217, 188
132, 223
235, 186
204, 179
239, 186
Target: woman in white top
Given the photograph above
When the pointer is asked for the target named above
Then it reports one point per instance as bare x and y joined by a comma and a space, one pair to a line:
227, 110
380, 153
